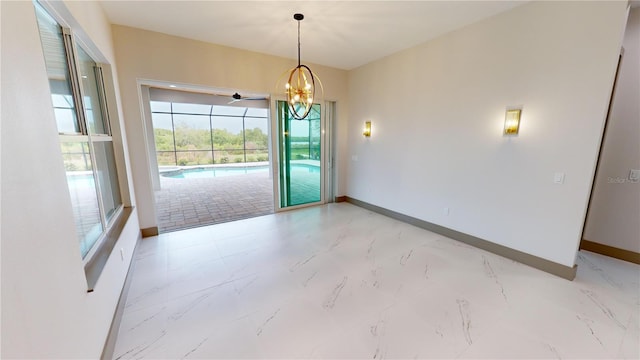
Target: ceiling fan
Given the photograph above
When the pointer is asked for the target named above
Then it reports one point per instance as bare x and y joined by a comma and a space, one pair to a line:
237, 97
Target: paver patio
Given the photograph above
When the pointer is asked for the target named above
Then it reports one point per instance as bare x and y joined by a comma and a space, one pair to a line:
187, 203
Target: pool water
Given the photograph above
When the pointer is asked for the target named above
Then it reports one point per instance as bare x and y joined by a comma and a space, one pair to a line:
209, 172
80, 180
203, 173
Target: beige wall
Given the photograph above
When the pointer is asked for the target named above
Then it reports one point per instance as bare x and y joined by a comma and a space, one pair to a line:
615, 207
146, 55
46, 310
438, 111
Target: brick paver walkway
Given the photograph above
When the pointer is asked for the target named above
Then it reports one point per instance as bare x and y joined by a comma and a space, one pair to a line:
186, 203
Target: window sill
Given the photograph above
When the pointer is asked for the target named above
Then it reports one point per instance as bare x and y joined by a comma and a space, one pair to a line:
94, 267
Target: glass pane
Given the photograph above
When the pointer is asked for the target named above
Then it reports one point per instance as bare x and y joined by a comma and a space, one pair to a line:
92, 100
107, 177
163, 132
58, 72
76, 156
300, 140
190, 158
314, 133
227, 132
160, 106
66, 119
300, 176
192, 132
84, 198
180, 108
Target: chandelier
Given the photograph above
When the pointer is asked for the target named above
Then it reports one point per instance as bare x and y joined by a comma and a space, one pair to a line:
301, 87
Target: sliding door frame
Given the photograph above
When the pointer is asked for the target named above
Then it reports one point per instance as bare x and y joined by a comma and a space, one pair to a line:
326, 155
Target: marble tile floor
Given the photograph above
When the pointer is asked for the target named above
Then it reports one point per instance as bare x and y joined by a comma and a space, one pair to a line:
339, 281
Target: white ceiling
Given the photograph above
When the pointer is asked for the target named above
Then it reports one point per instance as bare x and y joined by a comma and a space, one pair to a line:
340, 34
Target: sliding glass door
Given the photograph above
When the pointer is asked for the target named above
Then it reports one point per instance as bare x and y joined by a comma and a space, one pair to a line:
301, 157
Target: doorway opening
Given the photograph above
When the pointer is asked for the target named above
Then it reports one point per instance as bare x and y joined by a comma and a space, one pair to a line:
611, 225
213, 158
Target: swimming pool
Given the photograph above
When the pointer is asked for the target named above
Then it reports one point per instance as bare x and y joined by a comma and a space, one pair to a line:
81, 179
209, 172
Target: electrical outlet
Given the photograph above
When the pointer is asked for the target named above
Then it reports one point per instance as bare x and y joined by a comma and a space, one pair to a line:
445, 211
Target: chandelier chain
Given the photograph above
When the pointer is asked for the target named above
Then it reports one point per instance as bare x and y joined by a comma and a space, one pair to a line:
298, 42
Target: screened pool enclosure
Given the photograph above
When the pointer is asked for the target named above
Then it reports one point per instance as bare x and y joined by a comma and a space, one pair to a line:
213, 156
188, 134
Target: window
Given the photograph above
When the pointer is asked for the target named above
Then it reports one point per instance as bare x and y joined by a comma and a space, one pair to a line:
79, 104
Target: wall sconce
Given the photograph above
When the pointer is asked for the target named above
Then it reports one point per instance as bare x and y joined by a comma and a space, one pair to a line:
512, 121
367, 129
